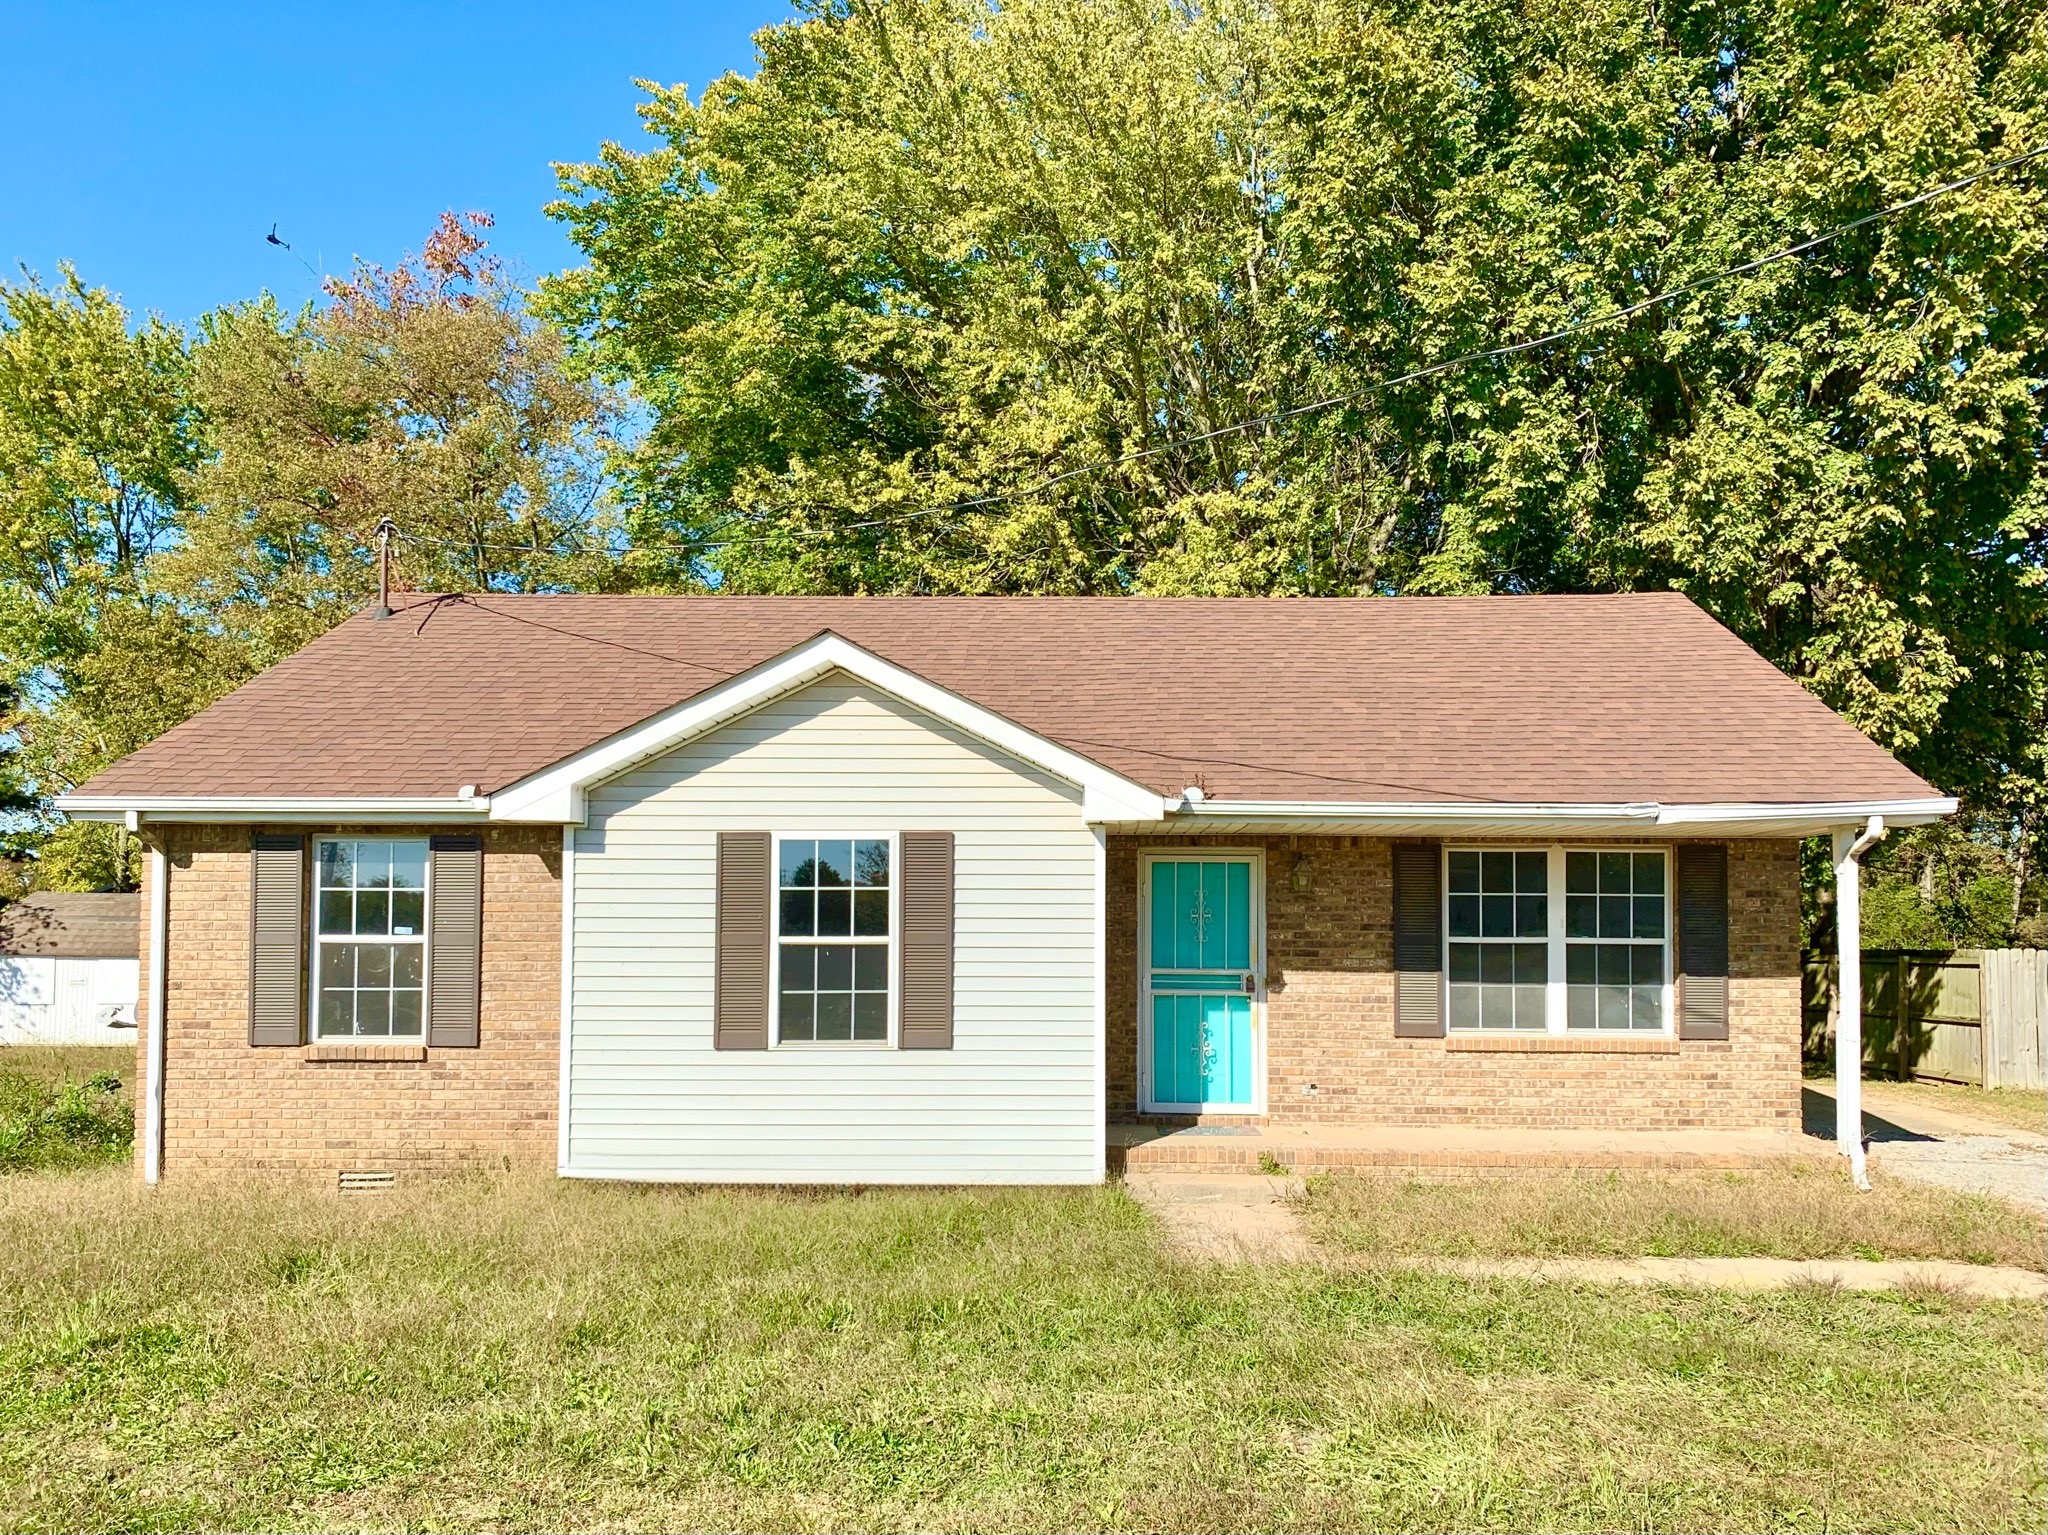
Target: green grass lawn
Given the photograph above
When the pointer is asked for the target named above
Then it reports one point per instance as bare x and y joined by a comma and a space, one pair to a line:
525, 1353
1794, 1212
65, 1106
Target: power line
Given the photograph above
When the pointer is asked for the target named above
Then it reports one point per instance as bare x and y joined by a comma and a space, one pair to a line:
1328, 402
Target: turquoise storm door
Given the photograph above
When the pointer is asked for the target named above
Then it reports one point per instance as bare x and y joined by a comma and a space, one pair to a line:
1200, 994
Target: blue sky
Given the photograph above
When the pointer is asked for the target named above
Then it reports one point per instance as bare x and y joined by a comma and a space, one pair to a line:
154, 144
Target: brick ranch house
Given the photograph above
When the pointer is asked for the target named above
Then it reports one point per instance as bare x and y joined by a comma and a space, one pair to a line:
931, 890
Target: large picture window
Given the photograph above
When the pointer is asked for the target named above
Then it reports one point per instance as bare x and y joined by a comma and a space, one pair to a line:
1556, 940
369, 938
832, 937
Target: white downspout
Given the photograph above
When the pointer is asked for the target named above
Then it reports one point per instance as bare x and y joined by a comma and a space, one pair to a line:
1849, 847
159, 872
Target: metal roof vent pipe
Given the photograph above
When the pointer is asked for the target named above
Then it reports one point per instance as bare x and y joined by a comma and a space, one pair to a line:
385, 528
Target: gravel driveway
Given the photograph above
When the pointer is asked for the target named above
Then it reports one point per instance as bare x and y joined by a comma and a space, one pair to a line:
1938, 1147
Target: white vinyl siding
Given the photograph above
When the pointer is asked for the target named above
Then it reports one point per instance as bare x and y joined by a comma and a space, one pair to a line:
1016, 1098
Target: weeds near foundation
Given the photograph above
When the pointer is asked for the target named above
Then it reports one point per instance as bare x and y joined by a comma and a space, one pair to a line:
64, 1108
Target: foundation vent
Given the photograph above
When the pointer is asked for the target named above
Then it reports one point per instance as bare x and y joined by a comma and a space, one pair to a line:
360, 1181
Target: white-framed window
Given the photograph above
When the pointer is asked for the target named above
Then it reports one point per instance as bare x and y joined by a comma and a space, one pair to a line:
1497, 920
1616, 927
1557, 940
835, 921
369, 937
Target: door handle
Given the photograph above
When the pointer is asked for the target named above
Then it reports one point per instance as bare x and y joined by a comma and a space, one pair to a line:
1251, 984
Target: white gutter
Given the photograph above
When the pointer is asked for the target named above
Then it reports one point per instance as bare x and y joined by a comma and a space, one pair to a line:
1395, 810
1766, 818
286, 808
159, 875
1850, 846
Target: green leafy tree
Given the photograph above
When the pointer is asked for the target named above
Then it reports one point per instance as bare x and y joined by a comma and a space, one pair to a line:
423, 394
97, 431
16, 800
884, 296
935, 249
185, 515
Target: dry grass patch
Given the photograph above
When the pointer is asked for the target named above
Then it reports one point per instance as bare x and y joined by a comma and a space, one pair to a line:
2018, 1108
1794, 1212
529, 1354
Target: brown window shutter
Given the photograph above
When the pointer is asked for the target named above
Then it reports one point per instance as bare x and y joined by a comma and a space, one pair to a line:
741, 946
925, 948
455, 939
1418, 941
277, 939
1702, 882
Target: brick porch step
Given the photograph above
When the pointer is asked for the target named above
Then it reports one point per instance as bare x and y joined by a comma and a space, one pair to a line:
1251, 1149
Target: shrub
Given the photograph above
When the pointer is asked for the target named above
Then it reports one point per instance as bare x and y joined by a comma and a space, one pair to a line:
66, 1122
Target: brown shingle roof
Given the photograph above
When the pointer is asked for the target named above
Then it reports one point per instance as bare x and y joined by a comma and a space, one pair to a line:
1591, 700
66, 925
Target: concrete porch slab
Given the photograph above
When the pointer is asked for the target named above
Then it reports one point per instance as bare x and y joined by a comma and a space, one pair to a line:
1302, 1150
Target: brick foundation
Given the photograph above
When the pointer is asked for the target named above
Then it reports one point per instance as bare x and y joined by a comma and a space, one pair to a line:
324, 1109
1330, 1012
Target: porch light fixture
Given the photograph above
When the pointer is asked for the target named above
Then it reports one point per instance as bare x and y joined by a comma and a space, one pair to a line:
1299, 875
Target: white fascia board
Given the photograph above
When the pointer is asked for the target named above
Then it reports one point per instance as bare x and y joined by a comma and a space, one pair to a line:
556, 793
1823, 814
1729, 819
278, 808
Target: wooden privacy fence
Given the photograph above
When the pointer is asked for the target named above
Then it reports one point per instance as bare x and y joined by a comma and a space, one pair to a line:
1966, 1015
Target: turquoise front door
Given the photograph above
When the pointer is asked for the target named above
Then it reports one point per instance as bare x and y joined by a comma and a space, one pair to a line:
1201, 984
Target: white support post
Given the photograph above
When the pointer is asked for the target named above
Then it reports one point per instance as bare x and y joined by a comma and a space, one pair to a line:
1849, 846
158, 874
1101, 1003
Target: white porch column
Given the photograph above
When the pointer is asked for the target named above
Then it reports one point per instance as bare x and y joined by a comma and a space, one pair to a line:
158, 876
1850, 845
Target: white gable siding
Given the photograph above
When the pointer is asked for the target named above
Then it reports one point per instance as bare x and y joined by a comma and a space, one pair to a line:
1015, 1100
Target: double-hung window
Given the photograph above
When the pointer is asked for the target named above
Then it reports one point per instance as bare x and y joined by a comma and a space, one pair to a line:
1498, 917
833, 921
1557, 940
1615, 921
369, 938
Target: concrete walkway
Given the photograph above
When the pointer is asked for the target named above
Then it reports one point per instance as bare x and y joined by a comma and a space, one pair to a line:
1223, 1149
1251, 1218
1979, 1281
1940, 1147
1226, 1217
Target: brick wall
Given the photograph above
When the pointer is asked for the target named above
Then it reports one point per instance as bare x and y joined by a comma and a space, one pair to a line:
1330, 1012
228, 1105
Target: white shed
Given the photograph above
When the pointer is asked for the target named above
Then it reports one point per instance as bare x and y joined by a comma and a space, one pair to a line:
68, 969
